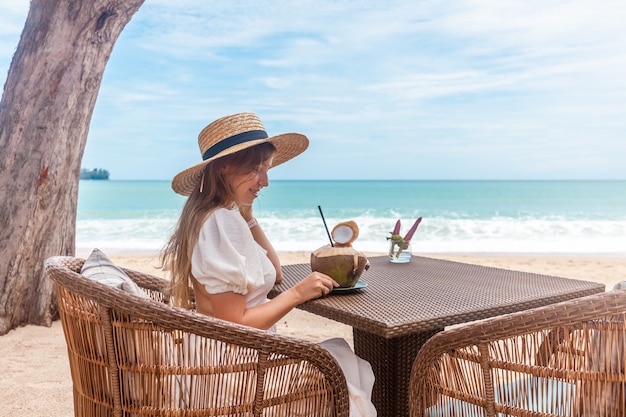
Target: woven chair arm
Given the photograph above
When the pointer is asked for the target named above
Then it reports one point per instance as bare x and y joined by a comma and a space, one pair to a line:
63, 271
567, 313
148, 281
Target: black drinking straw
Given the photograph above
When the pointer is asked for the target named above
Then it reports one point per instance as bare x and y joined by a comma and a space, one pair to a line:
325, 226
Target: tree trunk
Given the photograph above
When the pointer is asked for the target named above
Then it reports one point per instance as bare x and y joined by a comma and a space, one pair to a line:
46, 108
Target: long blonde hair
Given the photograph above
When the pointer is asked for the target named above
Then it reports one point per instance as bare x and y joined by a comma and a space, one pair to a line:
213, 191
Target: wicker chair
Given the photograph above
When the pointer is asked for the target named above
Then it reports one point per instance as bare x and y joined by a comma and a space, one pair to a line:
133, 356
566, 359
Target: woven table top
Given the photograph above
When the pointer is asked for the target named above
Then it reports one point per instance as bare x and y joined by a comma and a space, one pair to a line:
429, 294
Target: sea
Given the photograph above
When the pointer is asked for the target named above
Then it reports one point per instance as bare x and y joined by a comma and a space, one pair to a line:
509, 217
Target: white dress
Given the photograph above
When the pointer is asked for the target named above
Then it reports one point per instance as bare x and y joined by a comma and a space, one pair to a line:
243, 267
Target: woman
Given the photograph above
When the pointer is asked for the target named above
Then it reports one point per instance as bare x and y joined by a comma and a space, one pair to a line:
220, 250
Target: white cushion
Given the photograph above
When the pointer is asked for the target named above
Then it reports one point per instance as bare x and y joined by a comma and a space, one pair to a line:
620, 286
536, 394
98, 267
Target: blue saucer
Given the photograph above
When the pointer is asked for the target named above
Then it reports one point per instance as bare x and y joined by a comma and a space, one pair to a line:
359, 285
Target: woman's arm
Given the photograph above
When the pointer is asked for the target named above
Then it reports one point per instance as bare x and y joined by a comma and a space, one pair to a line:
261, 238
232, 306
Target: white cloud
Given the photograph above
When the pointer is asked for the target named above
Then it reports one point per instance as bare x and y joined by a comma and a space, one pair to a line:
462, 81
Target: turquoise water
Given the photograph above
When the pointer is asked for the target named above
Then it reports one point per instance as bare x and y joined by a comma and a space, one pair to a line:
458, 216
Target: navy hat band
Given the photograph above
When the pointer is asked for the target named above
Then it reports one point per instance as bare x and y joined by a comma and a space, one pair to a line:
231, 141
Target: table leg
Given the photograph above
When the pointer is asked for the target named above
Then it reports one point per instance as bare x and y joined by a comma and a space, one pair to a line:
391, 361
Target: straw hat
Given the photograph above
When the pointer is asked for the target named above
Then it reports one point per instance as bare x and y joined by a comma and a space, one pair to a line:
234, 133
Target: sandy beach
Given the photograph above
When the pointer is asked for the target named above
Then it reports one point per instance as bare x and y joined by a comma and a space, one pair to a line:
35, 372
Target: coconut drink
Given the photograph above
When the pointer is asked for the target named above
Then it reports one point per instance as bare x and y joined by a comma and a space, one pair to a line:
341, 261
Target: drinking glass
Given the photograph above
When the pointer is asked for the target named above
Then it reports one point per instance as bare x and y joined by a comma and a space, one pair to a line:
398, 254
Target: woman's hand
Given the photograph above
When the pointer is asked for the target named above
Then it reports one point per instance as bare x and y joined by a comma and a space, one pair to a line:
315, 285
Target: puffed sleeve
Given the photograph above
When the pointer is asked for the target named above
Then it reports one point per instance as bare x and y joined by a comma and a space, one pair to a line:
226, 257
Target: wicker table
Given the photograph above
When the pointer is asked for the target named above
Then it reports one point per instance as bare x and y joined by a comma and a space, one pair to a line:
405, 304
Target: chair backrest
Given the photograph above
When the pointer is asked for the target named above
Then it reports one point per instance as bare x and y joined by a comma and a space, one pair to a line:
565, 359
141, 356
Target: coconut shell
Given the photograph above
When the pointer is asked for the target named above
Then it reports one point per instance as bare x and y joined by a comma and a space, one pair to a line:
344, 264
345, 233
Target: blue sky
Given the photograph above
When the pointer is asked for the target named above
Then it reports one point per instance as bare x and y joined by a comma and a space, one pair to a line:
451, 89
